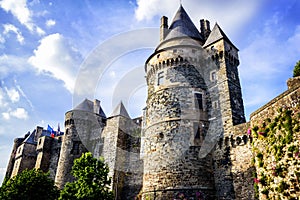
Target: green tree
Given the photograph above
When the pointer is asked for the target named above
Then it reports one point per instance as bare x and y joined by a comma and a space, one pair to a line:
29, 185
91, 182
297, 69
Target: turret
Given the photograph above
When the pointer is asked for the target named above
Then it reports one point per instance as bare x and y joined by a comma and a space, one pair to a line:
176, 116
83, 127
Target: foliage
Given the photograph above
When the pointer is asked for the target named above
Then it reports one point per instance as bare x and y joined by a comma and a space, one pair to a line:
277, 151
296, 71
92, 180
30, 184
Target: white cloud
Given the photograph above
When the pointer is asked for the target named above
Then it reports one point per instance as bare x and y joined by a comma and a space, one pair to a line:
19, 113
50, 23
19, 9
11, 64
231, 14
2, 39
23, 94
13, 94
57, 57
11, 28
6, 115
3, 102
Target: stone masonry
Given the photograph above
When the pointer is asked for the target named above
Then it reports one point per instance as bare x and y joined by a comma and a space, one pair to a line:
192, 141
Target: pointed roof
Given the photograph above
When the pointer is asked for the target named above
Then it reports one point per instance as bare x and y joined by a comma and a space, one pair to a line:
88, 105
30, 138
183, 26
217, 34
120, 110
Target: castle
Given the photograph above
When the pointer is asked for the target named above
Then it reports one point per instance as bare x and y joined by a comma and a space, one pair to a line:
191, 141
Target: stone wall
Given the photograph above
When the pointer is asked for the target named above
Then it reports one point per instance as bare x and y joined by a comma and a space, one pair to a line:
25, 158
43, 153
275, 130
121, 151
176, 124
11, 162
71, 148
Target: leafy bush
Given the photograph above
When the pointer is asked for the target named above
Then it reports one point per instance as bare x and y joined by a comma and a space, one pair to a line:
30, 184
296, 71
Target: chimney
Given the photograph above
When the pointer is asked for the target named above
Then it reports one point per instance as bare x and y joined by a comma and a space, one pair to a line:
163, 27
205, 28
96, 106
38, 133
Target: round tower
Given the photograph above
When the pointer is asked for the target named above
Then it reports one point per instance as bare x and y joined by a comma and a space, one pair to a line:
176, 116
83, 127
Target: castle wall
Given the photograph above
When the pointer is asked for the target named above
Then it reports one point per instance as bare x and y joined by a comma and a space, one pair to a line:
55, 153
43, 153
276, 146
25, 158
121, 151
11, 162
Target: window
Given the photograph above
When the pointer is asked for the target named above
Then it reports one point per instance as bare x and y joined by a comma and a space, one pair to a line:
75, 149
198, 101
215, 105
40, 140
213, 76
193, 51
158, 55
174, 50
160, 78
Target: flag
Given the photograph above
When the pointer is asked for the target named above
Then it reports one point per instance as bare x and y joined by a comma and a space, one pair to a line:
50, 129
58, 129
52, 132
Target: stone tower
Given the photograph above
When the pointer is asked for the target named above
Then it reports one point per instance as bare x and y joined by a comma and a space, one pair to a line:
177, 115
121, 151
194, 98
83, 126
225, 55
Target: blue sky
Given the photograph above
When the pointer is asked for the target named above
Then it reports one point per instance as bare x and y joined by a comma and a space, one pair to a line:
44, 43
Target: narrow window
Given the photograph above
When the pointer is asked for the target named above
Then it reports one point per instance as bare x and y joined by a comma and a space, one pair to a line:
160, 78
215, 105
158, 55
198, 101
213, 76
75, 149
40, 140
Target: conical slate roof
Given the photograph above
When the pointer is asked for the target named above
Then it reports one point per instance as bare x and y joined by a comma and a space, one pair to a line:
217, 34
88, 105
120, 110
183, 26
